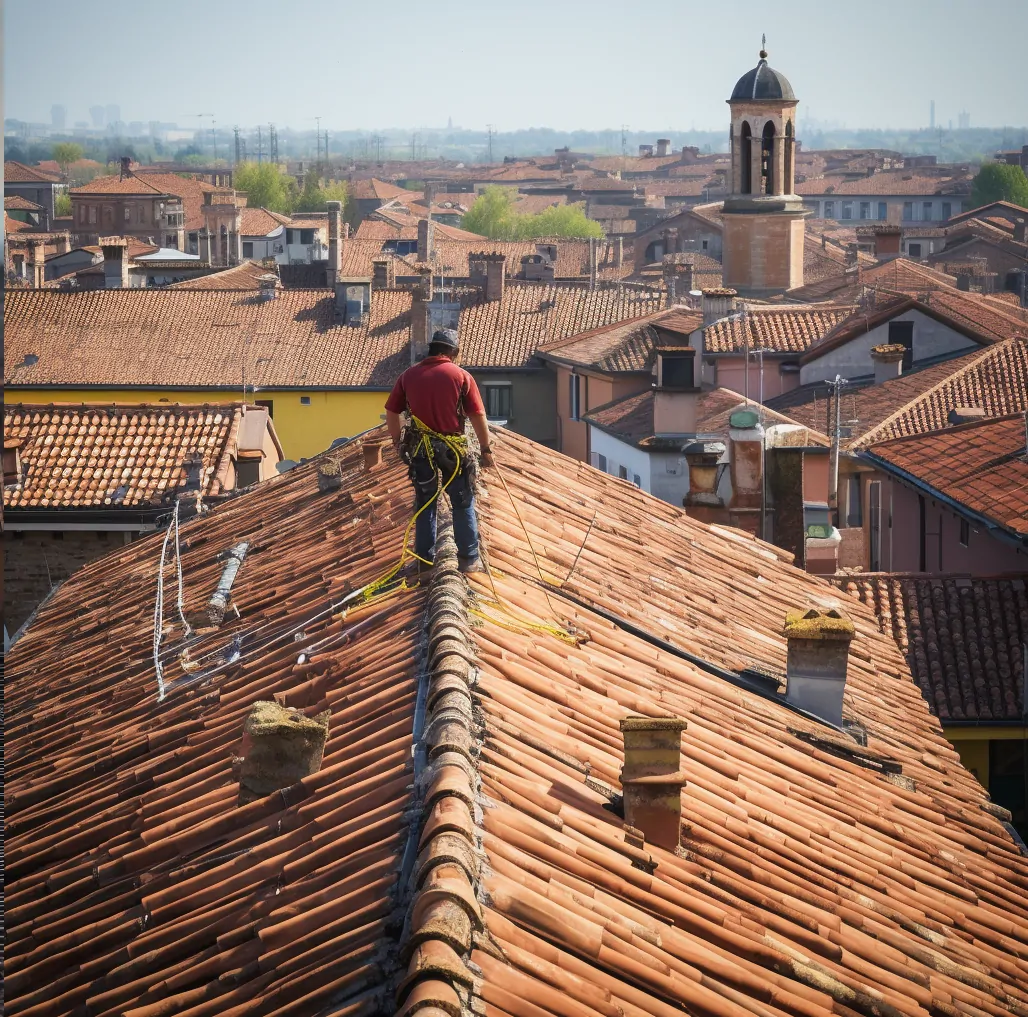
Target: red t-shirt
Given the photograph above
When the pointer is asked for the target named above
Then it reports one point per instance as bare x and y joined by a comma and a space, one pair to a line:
438, 393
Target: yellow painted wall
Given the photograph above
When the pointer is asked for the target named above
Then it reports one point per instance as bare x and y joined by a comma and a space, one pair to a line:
973, 745
303, 430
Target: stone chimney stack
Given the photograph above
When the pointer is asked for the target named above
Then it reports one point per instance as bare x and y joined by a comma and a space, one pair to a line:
116, 266
63, 242
887, 242
702, 458
420, 323
495, 276
426, 239
335, 242
717, 304
39, 264
663, 147
652, 778
383, 273
818, 655
888, 361
746, 459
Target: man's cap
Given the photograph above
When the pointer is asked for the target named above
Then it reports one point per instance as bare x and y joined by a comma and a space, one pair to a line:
446, 337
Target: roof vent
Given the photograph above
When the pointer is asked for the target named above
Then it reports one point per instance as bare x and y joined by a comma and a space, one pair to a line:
267, 286
888, 361
965, 414
818, 655
280, 747
651, 778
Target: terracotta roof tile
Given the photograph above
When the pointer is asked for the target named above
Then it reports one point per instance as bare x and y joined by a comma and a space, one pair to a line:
115, 456
19, 173
12, 225
259, 222
380, 189
898, 275
190, 190
16, 201
784, 329
961, 635
898, 182
808, 881
982, 466
240, 277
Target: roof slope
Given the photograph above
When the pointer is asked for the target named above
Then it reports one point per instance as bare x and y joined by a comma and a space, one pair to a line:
243, 276
782, 329
806, 883
17, 202
982, 466
19, 173
115, 456
961, 635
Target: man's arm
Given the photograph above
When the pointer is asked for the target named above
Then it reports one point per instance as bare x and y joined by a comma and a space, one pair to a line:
394, 424
481, 428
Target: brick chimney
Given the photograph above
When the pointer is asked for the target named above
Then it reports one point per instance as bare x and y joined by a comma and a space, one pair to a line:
335, 242
663, 147
717, 304
421, 298
495, 276
888, 361
676, 393
39, 263
818, 655
383, 273
746, 459
702, 458
116, 263
652, 779
126, 164
887, 242
426, 239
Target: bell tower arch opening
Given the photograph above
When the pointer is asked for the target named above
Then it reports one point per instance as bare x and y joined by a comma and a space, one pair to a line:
767, 159
789, 183
745, 159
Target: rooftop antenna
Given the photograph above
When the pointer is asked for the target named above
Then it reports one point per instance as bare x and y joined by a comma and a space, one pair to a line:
490, 132
317, 120
763, 46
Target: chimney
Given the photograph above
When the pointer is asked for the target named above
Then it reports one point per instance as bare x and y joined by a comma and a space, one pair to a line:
652, 780
663, 147
205, 246
280, 747
888, 361
495, 276
193, 466
126, 163
819, 647
426, 239
116, 274
746, 459
429, 196
63, 242
717, 304
645, 151
676, 393
887, 242
335, 243
619, 254
383, 275
267, 286
670, 237
852, 255
965, 414
353, 299
421, 299
702, 458
235, 240
1020, 234
592, 263
39, 264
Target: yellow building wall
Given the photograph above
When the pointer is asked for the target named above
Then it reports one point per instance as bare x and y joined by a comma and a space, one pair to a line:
973, 745
303, 430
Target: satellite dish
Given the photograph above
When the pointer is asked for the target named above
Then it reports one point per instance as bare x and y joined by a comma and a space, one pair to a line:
283, 465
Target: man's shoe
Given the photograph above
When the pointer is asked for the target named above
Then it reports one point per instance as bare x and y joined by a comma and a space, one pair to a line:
468, 565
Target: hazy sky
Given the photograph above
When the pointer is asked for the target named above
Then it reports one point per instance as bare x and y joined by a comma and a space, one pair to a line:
650, 64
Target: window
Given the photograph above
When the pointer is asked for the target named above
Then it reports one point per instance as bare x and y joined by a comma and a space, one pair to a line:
268, 404
127, 212
92, 213
306, 236
914, 250
601, 463
637, 480
947, 210
575, 397
965, 533
829, 209
908, 210
854, 514
247, 248
12, 466
926, 211
623, 472
248, 471
497, 399
902, 333
883, 210
874, 511
305, 400
704, 245
847, 210
1008, 776
865, 210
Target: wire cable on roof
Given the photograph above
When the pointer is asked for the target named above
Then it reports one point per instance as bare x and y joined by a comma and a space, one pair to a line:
158, 611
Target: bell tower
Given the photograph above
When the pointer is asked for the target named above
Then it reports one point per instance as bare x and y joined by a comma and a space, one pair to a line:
763, 218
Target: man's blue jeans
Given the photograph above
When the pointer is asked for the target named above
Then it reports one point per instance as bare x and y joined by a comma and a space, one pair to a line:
425, 476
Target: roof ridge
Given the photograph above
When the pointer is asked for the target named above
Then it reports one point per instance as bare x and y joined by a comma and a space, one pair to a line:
960, 372
439, 879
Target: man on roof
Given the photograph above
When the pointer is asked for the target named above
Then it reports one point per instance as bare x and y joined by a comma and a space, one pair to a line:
438, 398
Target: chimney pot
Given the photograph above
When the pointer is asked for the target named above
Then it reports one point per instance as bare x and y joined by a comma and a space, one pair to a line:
651, 778
888, 361
663, 145
426, 239
702, 458
280, 747
495, 276
818, 655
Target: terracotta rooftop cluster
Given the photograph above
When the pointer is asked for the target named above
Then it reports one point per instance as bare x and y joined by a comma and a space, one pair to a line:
460, 848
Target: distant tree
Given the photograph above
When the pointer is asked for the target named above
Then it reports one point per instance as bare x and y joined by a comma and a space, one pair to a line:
65, 153
266, 186
309, 198
996, 181
494, 215
182, 154
62, 204
559, 221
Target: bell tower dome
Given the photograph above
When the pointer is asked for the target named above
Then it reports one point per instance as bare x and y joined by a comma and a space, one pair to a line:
763, 218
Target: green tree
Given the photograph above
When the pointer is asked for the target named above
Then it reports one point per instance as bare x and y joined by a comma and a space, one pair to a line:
494, 215
315, 195
996, 181
559, 221
62, 205
65, 153
266, 186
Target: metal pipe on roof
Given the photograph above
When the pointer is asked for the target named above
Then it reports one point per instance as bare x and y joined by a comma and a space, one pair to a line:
218, 603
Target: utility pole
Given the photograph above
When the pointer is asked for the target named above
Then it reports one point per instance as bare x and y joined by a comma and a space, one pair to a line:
833, 462
490, 132
272, 144
317, 133
260, 145
214, 136
624, 144
235, 131
326, 146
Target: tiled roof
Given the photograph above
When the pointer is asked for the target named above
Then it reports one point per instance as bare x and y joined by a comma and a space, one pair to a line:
117, 184
992, 209
400, 226
190, 190
16, 201
508, 333
783, 329
982, 466
380, 189
193, 337
962, 636
16, 225
682, 187
898, 274
115, 456
631, 418
898, 182
53, 167
460, 833
240, 277
259, 222
19, 173
625, 346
